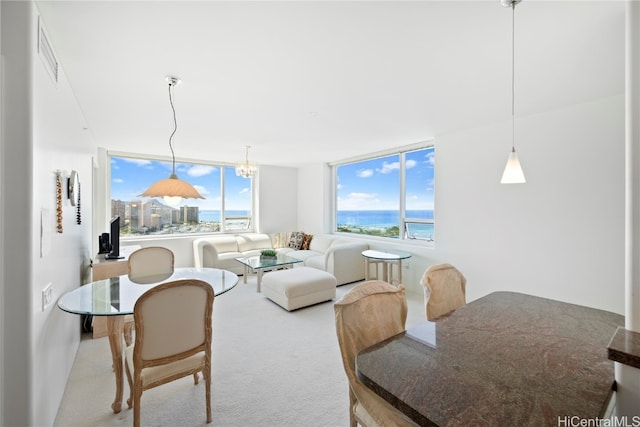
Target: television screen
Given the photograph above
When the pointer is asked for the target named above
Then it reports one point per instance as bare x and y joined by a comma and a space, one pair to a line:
115, 239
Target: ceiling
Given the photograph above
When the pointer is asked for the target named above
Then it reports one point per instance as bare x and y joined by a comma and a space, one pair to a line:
305, 82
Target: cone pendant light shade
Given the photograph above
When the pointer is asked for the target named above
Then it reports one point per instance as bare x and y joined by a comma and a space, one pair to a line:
513, 171
172, 189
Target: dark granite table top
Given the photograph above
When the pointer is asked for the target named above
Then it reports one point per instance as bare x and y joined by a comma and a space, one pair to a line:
625, 347
507, 359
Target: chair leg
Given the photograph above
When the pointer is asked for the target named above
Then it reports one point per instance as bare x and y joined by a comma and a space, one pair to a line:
128, 333
137, 394
207, 386
195, 378
130, 381
352, 404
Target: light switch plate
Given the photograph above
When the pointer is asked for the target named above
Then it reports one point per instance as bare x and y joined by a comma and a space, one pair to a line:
47, 295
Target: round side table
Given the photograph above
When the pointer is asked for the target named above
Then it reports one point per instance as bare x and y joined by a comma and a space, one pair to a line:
388, 259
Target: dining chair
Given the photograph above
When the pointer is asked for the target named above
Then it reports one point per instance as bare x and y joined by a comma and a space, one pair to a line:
444, 290
370, 312
150, 261
173, 324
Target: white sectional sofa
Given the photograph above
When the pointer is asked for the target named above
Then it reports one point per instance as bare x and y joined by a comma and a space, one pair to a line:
221, 251
340, 257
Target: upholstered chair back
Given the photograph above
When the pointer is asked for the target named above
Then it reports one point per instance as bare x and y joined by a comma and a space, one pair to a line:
369, 313
444, 290
151, 261
173, 323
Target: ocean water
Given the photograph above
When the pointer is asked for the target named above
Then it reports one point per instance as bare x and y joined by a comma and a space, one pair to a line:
214, 216
387, 219
379, 218
364, 218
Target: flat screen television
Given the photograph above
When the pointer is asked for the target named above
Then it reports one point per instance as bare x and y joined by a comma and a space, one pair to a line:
115, 239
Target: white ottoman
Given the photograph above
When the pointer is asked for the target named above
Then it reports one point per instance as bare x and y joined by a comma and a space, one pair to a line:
299, 287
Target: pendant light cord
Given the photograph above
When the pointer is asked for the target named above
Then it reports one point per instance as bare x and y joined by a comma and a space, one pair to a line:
175, 128
513, 76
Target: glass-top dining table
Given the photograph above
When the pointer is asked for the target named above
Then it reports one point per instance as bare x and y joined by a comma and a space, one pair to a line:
115, 297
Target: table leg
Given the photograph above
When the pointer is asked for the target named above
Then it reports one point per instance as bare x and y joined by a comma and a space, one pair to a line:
385, 272
366, 269
114, 328
259, 280
246, 273
399, 271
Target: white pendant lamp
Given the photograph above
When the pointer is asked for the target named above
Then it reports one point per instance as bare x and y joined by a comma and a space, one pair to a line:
172, 189
513, 171
246, 169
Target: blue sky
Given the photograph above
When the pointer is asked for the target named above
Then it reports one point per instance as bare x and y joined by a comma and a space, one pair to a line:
374, 184
131, 177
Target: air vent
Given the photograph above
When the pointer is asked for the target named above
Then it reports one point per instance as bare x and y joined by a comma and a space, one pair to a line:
46, 53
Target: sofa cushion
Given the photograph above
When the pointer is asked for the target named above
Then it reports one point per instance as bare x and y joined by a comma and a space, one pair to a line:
316, 261
295, 241
306, 241
253, 241
224, 243
303, 255
321, 243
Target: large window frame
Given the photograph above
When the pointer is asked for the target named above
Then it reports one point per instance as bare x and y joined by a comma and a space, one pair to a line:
413, 225
187, 220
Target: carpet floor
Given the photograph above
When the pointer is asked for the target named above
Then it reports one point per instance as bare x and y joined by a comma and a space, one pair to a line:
270, 368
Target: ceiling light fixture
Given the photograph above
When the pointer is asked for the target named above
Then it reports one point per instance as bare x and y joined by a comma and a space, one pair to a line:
172, 189
246, 169
513, 171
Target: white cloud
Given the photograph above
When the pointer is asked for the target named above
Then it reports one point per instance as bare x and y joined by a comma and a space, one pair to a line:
389, 167
117, 180
200, 170
202, 190
137, 162
410, 163
430, 158
359, 201
364, 173
244, 190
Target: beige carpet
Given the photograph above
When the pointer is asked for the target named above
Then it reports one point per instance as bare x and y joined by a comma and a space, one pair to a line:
271, 368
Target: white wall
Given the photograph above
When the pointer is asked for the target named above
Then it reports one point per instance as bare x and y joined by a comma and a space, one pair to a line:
560, 235
277, 191
43, 134
313, 215
2, 157
16, 231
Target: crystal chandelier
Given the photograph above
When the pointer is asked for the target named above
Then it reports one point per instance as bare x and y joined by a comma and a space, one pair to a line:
246, 169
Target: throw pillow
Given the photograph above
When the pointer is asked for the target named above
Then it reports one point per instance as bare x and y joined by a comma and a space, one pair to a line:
295, 241
306, 241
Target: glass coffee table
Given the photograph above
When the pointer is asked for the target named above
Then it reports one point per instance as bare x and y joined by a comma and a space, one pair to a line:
257, 264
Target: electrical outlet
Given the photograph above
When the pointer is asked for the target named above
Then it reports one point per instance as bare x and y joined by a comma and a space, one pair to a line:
47, 295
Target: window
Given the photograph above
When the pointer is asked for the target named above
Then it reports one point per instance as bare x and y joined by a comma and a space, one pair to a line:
227, 205
387, 196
